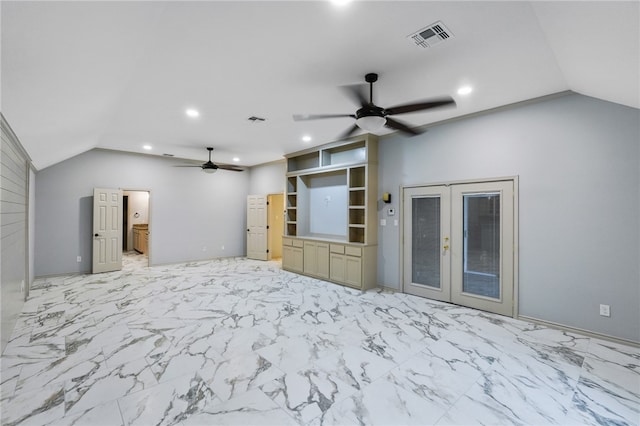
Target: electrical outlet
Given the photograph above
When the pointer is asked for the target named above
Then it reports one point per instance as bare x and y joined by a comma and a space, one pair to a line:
79, 259
605, 310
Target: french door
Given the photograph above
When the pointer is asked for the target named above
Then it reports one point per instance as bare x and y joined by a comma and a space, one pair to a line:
459, 244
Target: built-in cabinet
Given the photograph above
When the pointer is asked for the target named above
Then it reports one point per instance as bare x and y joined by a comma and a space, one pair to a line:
292, 254
330, 219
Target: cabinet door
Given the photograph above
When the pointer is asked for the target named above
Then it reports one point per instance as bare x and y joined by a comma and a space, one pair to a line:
353, 271
337, 267
287, 258
322, 260
292, 258
297, 257
310, 261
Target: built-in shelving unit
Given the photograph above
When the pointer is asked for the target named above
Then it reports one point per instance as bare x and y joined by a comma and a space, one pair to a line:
331, 199
292, 206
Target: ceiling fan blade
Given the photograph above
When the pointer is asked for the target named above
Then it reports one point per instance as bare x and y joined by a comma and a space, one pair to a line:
397, 125
357, 92
304, 117
185, 165
351, 130
420, 106
230, 167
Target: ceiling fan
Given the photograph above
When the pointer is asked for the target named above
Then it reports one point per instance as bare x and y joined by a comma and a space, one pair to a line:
211, 167
371, 117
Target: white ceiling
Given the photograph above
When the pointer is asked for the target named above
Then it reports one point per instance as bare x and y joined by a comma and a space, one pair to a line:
118, 75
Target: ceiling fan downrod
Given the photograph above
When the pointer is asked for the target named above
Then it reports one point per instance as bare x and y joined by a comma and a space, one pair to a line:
371, 78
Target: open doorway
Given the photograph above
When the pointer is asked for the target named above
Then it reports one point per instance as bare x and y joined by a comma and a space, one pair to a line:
265, 226
135, 214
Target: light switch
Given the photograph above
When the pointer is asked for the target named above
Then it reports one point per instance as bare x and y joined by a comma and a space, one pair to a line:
395, 222
383, 222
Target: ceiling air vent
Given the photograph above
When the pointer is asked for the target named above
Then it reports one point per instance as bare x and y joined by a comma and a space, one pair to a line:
431, 35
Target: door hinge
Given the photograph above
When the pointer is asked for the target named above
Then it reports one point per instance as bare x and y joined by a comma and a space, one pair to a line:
267, 226
267, 250
267, 203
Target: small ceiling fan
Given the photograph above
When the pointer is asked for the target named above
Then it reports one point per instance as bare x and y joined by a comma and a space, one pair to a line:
211, 167
371, 117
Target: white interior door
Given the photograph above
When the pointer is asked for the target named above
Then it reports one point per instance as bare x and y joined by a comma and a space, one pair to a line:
107, 230
459, 244
257, 219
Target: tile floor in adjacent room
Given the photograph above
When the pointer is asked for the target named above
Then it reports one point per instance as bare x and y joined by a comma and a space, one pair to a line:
236, 341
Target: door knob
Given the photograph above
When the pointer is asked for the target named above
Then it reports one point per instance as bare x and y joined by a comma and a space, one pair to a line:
96, 235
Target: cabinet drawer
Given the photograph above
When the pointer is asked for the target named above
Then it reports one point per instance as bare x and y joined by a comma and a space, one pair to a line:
336, 248
298, 243
353, 251
287, 242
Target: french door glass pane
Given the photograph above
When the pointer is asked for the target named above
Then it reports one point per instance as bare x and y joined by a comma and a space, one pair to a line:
425, 242
481, 251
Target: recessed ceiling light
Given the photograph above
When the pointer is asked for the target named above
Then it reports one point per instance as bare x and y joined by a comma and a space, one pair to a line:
465, 90
341, 2
147, 147
306, 138
193, 113
236, 159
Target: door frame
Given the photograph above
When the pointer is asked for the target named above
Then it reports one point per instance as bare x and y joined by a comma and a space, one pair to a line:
149, 212
516, 229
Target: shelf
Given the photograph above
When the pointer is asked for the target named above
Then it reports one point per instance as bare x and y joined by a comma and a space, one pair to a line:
356, 216
303, 162
356, 234
292, 185
291, 229
292, 214
357, 177
357, 198
345, 154
292, 201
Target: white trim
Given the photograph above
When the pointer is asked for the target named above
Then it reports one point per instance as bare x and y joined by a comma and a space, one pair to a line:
516, 231
577, 330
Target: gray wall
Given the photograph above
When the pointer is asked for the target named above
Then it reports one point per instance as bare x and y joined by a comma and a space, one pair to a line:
191, 214
267, 178
578, 162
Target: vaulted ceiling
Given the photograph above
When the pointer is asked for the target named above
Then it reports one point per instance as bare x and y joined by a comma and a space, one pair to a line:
120, 75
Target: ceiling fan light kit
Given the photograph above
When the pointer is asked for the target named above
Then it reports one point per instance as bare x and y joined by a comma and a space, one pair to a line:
371, 118
371, 123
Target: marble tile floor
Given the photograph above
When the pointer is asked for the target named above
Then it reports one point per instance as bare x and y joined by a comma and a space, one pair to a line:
241, 342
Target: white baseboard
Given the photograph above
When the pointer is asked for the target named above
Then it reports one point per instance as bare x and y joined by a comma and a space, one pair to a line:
580, 331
